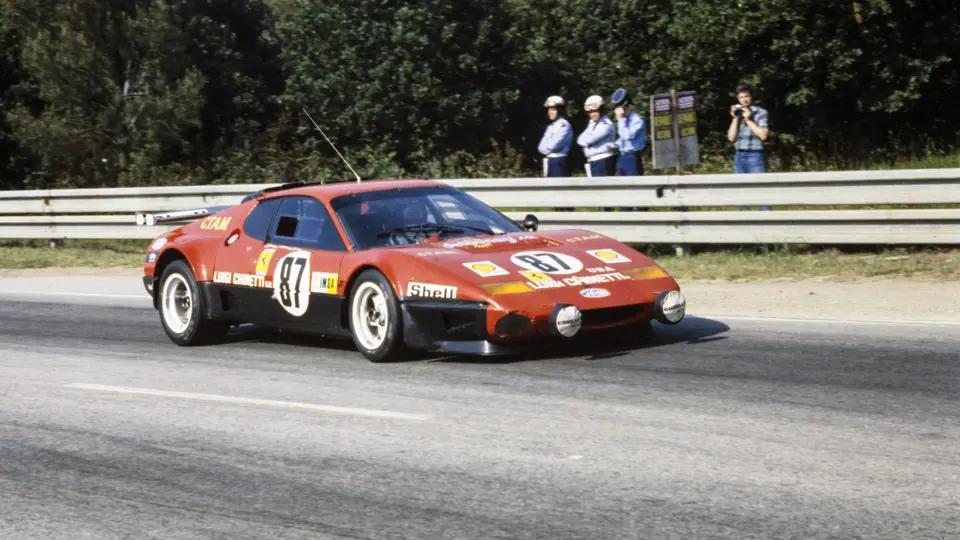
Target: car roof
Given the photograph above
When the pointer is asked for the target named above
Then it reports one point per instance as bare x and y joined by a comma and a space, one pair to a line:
326, 192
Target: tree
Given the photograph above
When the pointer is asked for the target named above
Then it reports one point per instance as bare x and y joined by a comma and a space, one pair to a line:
413, 79
118, 91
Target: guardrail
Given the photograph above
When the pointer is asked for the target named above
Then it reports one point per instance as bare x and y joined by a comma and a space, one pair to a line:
691, 203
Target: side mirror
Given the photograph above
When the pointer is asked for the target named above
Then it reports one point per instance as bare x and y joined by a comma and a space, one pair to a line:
531, 223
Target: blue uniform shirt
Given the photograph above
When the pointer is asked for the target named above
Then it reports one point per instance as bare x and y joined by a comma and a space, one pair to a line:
596, 137
631, 133
557, 138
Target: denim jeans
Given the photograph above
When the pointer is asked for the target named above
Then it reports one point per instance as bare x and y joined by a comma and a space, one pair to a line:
750, 163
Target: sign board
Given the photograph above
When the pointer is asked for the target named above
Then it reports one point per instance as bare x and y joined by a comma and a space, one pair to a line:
675, 139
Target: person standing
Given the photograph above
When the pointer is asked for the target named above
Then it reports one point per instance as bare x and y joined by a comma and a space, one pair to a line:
748, 131
596, 139
631, 135
555, 143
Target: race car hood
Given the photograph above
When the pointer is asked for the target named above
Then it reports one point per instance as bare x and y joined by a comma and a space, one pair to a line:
508, 250
547, 266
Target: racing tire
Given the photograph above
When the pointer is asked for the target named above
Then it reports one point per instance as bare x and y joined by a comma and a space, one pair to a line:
181, 307
376, 323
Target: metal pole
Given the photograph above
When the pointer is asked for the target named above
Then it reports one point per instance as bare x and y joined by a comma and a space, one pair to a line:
676, 128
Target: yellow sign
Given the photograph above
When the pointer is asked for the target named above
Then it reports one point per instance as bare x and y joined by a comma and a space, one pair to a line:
662, 120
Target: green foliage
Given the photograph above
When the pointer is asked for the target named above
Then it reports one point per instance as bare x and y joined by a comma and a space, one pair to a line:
416, 78
166, 92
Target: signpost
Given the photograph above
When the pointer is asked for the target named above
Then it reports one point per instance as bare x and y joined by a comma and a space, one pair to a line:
675, 140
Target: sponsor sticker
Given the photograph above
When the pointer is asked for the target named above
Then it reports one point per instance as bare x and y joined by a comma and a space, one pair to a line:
573, 281
215, 223
569, 320
430, 290
600, 269
547, 262
584, 238
534, 275
324, 283
608, 256
486, 269
487, 242
436, 253
250, 280
594, 293
263, 261
152, 257
291, 282
222, 277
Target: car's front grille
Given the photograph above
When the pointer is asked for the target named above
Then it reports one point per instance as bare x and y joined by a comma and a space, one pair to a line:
591, 317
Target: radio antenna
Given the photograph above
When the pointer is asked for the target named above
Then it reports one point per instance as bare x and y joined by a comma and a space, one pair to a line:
331, 144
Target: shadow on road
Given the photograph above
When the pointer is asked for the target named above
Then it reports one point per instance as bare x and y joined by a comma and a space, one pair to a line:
609, 344
597, 346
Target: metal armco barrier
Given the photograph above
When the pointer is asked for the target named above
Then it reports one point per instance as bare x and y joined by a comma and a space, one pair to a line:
109, 213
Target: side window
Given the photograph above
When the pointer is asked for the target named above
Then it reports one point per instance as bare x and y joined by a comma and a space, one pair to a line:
260, 218
305, 222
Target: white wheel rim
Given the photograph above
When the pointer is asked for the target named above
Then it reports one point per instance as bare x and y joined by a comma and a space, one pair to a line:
177, 303
369, 316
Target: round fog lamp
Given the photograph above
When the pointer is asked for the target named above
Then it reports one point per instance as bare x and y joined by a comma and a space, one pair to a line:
670, 307
565, 320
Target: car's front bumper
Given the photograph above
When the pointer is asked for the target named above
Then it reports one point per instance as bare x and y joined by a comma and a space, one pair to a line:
474, 328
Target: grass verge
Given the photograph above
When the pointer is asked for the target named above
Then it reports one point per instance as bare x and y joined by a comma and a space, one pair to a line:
825, 265
30, 254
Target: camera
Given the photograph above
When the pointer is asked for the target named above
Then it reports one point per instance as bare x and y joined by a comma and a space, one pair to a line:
739, 111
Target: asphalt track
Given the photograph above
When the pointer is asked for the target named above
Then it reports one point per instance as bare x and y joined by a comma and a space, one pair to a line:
717, 429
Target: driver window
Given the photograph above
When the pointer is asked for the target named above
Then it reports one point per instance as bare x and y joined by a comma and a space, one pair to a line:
305, 222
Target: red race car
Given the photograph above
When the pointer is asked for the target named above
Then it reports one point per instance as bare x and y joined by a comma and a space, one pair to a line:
396, 266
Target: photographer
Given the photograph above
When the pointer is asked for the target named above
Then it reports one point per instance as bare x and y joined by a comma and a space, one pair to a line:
748, 131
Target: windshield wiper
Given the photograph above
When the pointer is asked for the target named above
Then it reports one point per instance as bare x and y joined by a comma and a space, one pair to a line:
479, 229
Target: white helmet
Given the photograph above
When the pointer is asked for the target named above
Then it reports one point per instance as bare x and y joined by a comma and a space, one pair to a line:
593, 103
554, 101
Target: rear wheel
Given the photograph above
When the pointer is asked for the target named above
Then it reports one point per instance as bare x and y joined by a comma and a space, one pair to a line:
181, 308
375, 321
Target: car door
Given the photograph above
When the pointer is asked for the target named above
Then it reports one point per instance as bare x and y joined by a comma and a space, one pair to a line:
283, 271
301, 257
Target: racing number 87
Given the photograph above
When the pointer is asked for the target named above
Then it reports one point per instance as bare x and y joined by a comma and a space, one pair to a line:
541, 261
286, 269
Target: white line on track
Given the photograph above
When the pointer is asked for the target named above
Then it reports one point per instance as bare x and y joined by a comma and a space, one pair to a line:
95, 295
248, 401
821, 321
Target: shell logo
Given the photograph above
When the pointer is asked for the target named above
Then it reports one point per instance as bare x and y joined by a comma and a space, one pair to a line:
608, 255
485, 268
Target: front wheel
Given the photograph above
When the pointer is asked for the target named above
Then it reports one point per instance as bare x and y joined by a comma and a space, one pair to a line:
375, 320
181, 308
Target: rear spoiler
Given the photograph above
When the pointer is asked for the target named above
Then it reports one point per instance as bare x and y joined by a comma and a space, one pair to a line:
178, 215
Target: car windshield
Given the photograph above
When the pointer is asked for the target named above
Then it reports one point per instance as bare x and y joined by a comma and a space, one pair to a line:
403, 216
